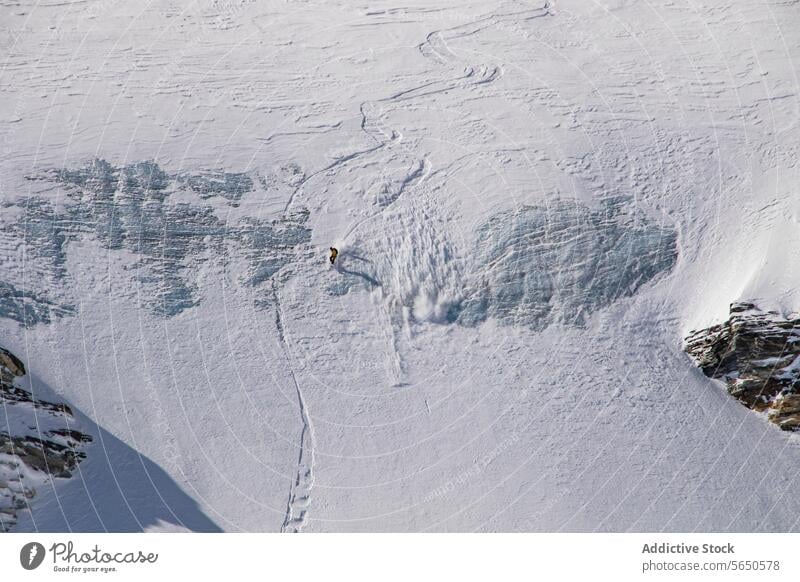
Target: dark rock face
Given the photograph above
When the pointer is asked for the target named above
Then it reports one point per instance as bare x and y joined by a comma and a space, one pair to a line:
11, 363
757, 355
47, 455
37, 441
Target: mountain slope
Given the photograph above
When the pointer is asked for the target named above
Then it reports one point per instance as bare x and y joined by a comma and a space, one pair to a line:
534, 203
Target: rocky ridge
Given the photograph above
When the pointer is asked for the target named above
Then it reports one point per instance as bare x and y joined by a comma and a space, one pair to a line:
38, 441
757, 355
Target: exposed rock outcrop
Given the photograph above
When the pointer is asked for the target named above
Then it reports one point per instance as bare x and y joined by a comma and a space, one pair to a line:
757, 354
38, 441
11, 365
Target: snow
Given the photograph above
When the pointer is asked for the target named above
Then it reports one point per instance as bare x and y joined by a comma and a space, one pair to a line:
459, 369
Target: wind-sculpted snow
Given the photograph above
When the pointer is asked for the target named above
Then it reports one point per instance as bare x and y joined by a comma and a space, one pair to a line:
129, 208
29, 308
408, 387
270, 245
534, 266
557, 264
223, 184
102, 178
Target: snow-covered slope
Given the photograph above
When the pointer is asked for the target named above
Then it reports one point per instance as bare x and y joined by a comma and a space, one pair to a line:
39, 441
534, 203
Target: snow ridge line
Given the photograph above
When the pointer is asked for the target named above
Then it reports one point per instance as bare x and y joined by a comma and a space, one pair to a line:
300, 488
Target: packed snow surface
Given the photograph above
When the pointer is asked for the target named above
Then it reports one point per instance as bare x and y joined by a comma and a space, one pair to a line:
534, 203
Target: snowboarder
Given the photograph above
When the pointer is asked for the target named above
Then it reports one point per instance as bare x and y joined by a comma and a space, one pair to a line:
334, 254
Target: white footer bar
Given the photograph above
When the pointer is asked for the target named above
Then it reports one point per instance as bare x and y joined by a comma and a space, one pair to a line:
401, 557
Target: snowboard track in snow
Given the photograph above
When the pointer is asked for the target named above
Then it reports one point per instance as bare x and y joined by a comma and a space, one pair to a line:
303, 482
